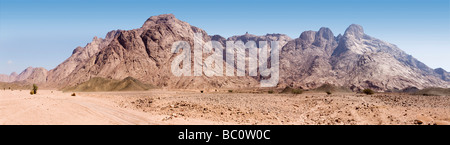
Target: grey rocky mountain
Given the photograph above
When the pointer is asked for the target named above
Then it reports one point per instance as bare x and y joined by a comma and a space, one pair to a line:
29, 75
354, 59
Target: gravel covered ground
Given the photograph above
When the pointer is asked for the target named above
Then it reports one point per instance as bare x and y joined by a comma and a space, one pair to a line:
307, 108
192, 107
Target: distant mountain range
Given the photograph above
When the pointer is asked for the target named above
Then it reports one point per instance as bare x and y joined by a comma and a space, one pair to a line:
354, 60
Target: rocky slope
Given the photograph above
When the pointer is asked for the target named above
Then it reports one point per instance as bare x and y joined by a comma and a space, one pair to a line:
97, 84
364, 61
79, 57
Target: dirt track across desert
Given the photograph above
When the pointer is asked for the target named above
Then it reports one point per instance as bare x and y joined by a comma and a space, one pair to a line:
192, 107
54, 107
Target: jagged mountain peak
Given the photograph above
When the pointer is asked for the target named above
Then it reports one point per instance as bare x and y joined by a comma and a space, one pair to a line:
14, 74
354, 30
326, 33
355, 41
308, 35
160, 19
28, 69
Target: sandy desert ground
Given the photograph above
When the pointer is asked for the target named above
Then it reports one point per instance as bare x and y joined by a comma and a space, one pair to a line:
192, 107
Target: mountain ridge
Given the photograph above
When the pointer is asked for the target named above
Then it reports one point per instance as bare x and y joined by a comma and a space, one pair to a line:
354, 59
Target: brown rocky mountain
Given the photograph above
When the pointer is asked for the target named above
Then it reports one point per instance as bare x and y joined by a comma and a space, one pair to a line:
354, 60
370, 62
307, 59
143, 54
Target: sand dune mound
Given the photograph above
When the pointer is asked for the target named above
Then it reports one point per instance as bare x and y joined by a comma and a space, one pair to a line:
99, 84
292, 90
433, 92
15, 86
331, 88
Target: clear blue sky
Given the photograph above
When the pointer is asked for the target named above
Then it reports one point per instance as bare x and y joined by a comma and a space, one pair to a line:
44, 33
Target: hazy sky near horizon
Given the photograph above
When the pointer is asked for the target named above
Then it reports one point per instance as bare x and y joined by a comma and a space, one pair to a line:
43, 33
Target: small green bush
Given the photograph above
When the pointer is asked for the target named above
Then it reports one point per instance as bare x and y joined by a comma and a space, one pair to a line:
297, 91
270, 92
230, 91
35, 88
368, 91
31, 92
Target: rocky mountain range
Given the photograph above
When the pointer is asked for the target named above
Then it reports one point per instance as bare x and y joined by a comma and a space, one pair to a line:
354, 60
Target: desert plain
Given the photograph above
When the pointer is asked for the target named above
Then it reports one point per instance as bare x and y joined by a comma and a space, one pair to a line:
163, 106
